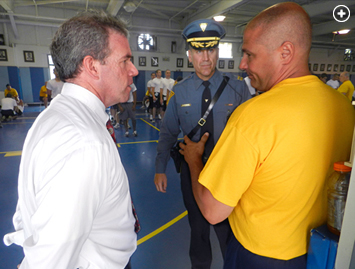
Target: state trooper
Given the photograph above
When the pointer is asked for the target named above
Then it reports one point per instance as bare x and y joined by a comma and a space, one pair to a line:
184, 111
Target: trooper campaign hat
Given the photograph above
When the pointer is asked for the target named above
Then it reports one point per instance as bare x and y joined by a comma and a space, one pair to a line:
203, 34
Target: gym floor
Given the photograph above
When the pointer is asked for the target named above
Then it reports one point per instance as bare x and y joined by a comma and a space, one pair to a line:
163, 242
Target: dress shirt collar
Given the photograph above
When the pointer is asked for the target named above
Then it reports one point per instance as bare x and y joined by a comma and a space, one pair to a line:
86, 97
215, 80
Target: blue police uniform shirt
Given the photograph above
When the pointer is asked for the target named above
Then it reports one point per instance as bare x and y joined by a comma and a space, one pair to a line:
184, 111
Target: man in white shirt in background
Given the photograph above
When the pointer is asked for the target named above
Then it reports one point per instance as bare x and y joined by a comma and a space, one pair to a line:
334, 81
128, 110
8, 108
54, 86
74, 208
155, 89
168, 84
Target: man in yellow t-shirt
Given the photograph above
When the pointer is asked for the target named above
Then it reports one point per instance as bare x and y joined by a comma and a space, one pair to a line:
43, 96
346, 88
267, 172
13, 92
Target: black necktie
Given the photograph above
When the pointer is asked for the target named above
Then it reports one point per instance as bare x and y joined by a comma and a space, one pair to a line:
208, 126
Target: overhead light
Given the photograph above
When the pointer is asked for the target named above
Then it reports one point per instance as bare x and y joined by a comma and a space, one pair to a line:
219, 18
129, 7
341, 32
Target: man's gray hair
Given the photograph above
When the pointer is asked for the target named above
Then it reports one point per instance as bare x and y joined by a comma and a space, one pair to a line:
85, 34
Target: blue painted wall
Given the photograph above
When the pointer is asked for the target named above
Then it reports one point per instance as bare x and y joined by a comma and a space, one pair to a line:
37, 81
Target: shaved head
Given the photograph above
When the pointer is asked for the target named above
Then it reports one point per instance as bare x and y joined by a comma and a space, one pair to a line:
283, 22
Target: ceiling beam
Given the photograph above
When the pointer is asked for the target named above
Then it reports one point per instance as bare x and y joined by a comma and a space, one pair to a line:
31, 3
114, 6
8, 7
320, 8
329, 27
214, 9
6, 4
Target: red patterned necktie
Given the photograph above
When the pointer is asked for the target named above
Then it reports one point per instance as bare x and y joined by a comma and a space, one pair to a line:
137, 226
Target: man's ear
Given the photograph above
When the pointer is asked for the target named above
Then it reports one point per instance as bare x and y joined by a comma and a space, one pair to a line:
91, 67
287, 51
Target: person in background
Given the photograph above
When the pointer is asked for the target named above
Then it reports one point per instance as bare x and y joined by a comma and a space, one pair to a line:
252, 90
323, 77
334, 81
171, 93
184, 111
150, 96
12, 91
267, 173
155, 89
347, 87
43, 96
115, 116
74, 208
54, 86
128, 110
168, 84
8, 108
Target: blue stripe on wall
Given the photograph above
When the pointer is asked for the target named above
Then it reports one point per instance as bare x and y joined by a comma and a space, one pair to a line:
27, 85
37, 81
140, 84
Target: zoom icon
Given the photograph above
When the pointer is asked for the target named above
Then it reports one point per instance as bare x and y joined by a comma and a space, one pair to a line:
341, 13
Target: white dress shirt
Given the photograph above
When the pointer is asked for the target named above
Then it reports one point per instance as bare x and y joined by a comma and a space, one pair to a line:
74, 208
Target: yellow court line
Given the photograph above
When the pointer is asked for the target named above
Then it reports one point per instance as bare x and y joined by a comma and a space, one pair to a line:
139, 142
150, 125
11, 153
162, 228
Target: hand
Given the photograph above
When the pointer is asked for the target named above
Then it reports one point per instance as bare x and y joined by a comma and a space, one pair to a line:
193, 151
134, 108
161, 182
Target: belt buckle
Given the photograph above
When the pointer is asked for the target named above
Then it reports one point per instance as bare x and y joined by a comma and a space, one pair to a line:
202, 122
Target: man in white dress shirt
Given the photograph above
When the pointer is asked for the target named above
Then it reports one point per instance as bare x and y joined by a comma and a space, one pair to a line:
74, 208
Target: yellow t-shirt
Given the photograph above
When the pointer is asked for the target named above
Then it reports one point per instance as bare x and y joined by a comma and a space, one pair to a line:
43, 91
272, 160
12, 91
348, 88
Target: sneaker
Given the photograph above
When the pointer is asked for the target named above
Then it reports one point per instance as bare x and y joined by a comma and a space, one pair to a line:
126, 134
129, 126
116, 126
159, 116
151, 117
153, 121
135, 133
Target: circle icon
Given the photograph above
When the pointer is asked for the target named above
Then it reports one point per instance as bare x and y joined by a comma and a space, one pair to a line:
341, 13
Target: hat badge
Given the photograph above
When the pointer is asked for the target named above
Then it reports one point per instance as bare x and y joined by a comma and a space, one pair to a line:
203, 26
